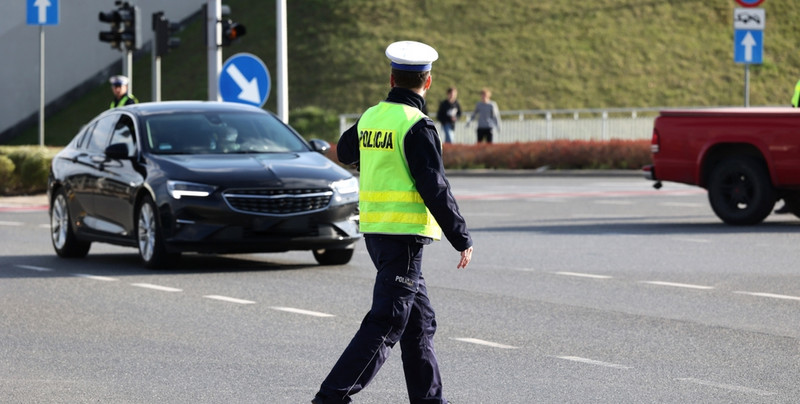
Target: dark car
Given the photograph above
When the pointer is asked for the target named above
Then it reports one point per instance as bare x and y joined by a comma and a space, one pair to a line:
191, 176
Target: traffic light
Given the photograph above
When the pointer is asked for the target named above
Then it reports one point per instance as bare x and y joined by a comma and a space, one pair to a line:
163, 29
125, 29
231, 31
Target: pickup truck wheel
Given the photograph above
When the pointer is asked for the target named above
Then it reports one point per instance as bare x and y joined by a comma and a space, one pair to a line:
740, 191
792, 202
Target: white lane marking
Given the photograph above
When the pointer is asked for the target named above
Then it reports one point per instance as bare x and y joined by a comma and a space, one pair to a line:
581, 275
301, 311
733, 387
608, 216
614, 202
156, 287
33, 268
229, 299
678, 285
485, 343
772, 295
96, 277
11, 223
683, 204
593, 362
44, 226
692, 240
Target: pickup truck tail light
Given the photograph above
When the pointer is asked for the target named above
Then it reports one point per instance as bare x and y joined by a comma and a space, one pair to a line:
655, 142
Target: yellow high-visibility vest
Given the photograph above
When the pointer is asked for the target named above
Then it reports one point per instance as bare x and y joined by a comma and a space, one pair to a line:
122, 101
796, 97
388, 199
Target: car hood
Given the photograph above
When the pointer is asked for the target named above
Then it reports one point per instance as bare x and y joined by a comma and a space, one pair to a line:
253, 170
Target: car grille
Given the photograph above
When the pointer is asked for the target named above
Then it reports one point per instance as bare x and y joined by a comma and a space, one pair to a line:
278, 201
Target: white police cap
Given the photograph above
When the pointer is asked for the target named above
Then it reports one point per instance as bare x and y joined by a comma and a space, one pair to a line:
118, 80
411, 55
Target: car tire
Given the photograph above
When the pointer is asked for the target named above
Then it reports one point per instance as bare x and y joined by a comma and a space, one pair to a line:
149, 238
792, 201
740, 191
65, 242
333, 256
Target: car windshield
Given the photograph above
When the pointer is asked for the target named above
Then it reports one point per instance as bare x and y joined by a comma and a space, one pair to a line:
220, 133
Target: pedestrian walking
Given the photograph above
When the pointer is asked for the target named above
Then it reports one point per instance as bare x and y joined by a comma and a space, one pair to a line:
488, 115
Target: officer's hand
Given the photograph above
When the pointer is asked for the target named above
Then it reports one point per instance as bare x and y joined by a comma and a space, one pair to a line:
466, 257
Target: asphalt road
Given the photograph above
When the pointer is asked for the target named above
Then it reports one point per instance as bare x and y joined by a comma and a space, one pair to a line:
582, 290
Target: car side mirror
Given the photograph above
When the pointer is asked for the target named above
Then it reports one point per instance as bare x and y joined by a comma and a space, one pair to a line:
320, 146
117, 151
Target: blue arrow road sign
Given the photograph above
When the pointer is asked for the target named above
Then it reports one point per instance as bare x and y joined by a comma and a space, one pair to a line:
244, 78
748, 46
42, 12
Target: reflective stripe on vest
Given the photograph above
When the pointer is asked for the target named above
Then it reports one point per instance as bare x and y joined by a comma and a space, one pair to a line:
388, 200
121, 101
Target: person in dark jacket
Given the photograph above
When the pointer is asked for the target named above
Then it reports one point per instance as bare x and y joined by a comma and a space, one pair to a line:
405, 203
448, 114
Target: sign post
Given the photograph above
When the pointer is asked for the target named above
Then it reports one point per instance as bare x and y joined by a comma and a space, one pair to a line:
748, 39
41, 13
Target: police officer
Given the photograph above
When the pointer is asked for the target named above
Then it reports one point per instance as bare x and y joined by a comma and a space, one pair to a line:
119, 86
405, 203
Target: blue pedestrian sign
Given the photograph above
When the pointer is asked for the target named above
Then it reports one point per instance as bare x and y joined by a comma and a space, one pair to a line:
748, 46
42, 12
244, 79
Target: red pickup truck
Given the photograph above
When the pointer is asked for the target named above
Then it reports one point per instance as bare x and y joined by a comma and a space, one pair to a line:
747, 158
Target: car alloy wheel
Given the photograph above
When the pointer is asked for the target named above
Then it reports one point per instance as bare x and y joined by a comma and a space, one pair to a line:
148, 237
146, 231
64, 240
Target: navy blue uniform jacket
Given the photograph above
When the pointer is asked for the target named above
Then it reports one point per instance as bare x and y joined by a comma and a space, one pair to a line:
424, 154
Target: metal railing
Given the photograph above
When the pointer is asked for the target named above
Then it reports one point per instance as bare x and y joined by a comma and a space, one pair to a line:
570, 124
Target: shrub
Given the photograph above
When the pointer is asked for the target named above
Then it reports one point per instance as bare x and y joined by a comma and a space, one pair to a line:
558, 154
27, 168
7, 179
33, 172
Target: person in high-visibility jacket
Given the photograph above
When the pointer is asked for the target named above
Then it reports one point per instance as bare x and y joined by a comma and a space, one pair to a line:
119, 87
796, 96
405, 203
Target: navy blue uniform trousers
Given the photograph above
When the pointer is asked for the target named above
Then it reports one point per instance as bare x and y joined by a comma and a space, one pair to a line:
400, 312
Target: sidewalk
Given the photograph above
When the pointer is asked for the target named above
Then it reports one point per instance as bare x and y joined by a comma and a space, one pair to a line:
26, 202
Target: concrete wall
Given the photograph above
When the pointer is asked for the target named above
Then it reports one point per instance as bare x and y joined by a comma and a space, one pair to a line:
73, 52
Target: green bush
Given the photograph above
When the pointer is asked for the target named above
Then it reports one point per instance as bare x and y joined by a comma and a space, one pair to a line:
7, 179
34, 171
24, 169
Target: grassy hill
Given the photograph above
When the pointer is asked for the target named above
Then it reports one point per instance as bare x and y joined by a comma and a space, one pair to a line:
533, 54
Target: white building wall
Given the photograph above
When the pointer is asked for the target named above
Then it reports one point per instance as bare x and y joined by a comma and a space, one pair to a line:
73, 52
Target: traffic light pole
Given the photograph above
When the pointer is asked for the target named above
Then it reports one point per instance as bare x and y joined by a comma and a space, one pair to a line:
156, 71
127, 69
213, 17
283, 87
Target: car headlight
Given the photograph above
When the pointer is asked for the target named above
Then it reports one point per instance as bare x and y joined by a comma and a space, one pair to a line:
179, 189
345, 191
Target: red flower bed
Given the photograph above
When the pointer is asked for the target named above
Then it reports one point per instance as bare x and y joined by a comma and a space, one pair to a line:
557, 154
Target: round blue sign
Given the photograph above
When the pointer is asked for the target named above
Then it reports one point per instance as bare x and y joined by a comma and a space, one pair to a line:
244, 79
